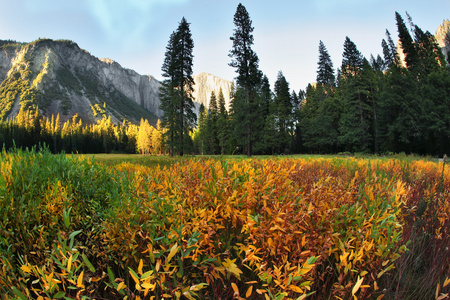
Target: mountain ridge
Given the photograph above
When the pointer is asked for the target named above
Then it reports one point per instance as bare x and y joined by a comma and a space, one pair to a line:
60, 77
64, 79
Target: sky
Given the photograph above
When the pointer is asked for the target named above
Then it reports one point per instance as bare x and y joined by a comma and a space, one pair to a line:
135, 33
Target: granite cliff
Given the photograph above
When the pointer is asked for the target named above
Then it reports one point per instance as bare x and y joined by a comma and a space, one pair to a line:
443, 38
206, 83
61, 78
64, 79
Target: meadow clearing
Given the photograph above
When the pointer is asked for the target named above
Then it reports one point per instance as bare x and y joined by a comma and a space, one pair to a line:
155, 227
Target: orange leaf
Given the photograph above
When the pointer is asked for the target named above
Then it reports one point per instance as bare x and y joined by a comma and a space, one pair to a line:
141, 264
80, 280
249, 292
235, 288
446, 282
25, 269
121, 286
296, 288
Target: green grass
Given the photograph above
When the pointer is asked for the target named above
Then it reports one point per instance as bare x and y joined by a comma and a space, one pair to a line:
165, 160
145, 160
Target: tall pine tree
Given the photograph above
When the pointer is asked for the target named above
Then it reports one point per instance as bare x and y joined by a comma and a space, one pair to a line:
406, 42
284, 105
246, 115
176, 90
222, 123
212, 128
325, 71
354, 124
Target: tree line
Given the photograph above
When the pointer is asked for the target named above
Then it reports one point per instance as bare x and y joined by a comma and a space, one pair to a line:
30, 129
395, 102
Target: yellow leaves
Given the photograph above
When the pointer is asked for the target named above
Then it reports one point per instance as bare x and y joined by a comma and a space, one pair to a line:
69, 264
172, 253
295, 289
343, 258
80, 280
310, 207
276, 227
446, 282
141, 265
134, 276
441, 296
26, 269
357, 285
121, 286
231, 267
148, 286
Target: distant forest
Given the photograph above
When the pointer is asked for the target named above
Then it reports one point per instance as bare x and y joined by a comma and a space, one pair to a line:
395, 102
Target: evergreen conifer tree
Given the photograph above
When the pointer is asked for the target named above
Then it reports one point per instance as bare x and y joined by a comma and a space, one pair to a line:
407, 43
176, 90
246, 117
389, 50
325, 71
222, 123
212, 129
354, 124
284, 106
267, 143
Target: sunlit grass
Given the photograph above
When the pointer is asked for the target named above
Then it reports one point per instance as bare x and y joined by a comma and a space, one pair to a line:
166, 160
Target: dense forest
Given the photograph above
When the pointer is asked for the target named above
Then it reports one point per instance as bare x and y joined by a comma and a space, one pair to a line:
395, 102
29, 129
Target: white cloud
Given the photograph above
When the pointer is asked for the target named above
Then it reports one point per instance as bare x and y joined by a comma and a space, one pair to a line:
128, 20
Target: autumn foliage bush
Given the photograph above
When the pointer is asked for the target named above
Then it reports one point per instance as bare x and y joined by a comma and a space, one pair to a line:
324, 228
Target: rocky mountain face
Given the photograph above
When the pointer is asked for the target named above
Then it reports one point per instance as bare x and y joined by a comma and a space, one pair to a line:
60, 78
443, 38
205, 84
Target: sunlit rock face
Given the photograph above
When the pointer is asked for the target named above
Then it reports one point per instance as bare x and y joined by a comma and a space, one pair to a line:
70, 80
205, 84
443, 38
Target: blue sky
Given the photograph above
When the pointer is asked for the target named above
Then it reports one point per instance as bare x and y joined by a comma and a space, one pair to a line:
287, 32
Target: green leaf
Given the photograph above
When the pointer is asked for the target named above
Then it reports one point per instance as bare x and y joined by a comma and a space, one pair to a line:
59, 294
71, 238
19, 293
280, 297
112, 278
311, 260
88, 263
73, 234
66, 217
